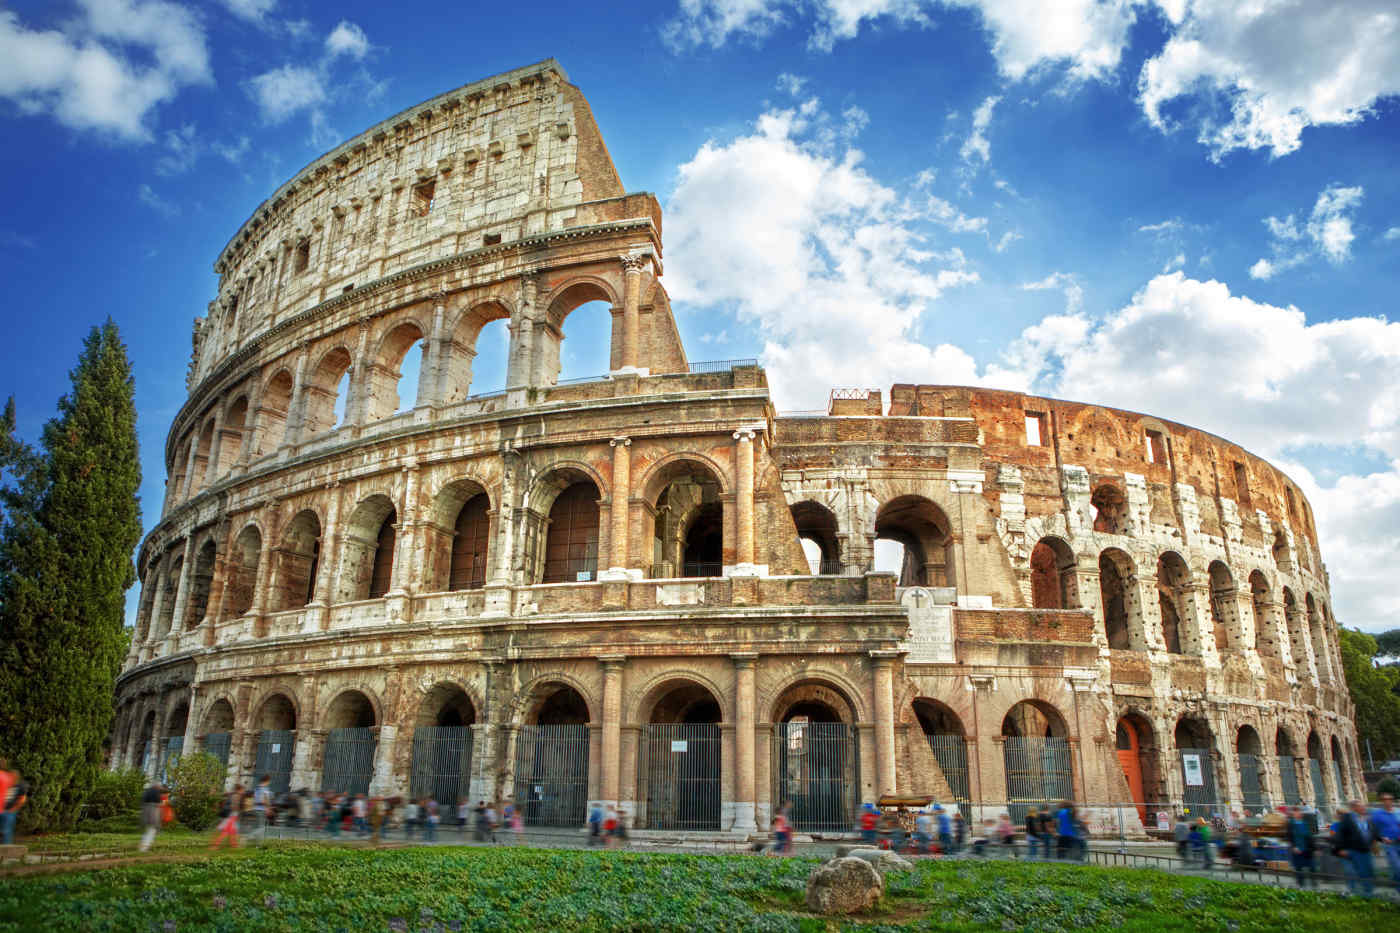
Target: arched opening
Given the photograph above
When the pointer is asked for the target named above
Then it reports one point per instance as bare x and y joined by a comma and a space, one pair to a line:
1122, 616
1297, 640
1137, 756
297, 561
1337, 759
204, 449
1054, 584
170, 588
273, 404
1173, 577
276, 722
1321, 800
688, 522
174, 744
583, 312
442, 745
146, 749
1224, 611
1322, 659
1036, 756
551, 758
1109, 510
1264, 639
680, 760
242, 573
325, 396
457, 538
394, 374
571, 540
923, 532
946, 738
1287, 756
200, 583
1250, 751
478, 357
351, 741
1195, 746
816, 529
817, 756
218, 730
175, 482
1283, 555
233, 435
367, 552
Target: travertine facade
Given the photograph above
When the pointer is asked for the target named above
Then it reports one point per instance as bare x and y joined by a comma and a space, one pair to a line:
599, 590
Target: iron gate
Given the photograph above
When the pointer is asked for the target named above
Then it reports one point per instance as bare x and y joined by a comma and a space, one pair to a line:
442, 763
950, 751
1324, 806
1200, 796
173, 746
818, 773
349, 763
1250, 784
1341, 788
1038, 771
274, 758
551, 774
218, 744
1288, 774
680, 773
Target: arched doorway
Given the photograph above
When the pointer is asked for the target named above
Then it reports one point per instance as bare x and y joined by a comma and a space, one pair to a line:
571, 536
367, 552
1173, 577
922, 534
688, 528
1337, 771
816, 529
1194, 745
551, 758
943, 731
1319, 787
1249, 749
1118, 595
680, 760
1036, 756
1053, 582
442, 746
817, 756
146, 742
218, 730
351, 741
1132, 736
174, 738
276, 722
1288, 768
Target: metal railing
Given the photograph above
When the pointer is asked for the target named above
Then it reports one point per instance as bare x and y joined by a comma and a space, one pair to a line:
692, 568
719, 366
580, 379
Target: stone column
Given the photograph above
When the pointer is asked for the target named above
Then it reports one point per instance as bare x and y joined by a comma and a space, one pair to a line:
743, 504
631, 311
608, 767
382, 783
324, 593
187, 487
214, 609
884, 721
405, 569
621, 494
182, 593
744, 772
431, 375
296, 417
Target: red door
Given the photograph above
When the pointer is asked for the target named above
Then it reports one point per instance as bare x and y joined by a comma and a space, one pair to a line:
1131, 761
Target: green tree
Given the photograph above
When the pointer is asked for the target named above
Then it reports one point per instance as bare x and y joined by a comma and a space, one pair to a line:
196, 786
1372, 691
69, 522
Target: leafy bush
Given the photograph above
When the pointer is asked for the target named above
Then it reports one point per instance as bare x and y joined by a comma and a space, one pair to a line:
196, 786
117, 794
1388, 785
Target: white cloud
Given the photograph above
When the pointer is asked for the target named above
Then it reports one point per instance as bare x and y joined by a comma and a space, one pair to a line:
1063, 281
1392, 234
1275, 67
1326, 232
284, 91
157, 203
254, 11
106, 69
1163, 228
976, 148
1007, 238
347, 39
791, 84
946, 215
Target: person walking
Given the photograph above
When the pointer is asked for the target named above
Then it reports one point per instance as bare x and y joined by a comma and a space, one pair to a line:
1065, 841
595, 823
1207, 848
782, 831
1181, 832
1355, 837
513, 820
1301, 846
1006, 835
464, 810
492, 822
1034, 830
869, 821
230, 808
262, 799
151, 799
1386, 820
12, 799
945, 828
410, 817
431, 818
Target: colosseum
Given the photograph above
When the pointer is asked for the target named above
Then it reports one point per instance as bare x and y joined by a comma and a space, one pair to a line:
653, 588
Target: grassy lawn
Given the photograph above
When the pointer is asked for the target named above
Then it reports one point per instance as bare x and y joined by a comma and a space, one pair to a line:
298, 886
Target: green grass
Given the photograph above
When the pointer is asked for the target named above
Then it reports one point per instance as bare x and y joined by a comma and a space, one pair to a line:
317, 887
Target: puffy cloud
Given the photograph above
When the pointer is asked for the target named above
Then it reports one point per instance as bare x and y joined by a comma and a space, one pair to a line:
1276, 68
1062, 281
1326, 232
976, 148
791, 84
155, 202
347, 39
1392, 234
284, 91
106, 69
254, 11
1007, 238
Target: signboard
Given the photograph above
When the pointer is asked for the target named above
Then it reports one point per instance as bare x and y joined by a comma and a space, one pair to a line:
1163, 821
1191, 765
678, 745
276, 747
583, 576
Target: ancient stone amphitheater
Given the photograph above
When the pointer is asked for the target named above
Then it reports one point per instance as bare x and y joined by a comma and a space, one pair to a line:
653, 587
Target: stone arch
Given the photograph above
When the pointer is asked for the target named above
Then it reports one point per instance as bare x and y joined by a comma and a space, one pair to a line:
1036, 756
680, 755
685, 523
1118, 595
1195, 744
276, 710
1317, 631
446, 703
458, 536
274, 404
241, 571
297, 561
204, 449
352, 708
564, 301
201, 582
1136, 746
1338, 766
177, 473
170, 588
921, 527
1282, 553
578, 290
1033, 718
1297, 625
656, 689
1224, 608
936, 717
367, 550
1054, 581
554, 699
1265, 636
820, 696
218, 716
177, 719
820, 536
234, 434
1109, 509
146, 740
1249, 751
460, 354
382, 379
321, 393
563, 525
1173, 579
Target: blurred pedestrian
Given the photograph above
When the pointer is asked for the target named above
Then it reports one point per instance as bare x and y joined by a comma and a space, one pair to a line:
151, 799
431, 818
1301, 846
230, 809
1387, 823
14, 794
262, 800
869, 821
1355, 838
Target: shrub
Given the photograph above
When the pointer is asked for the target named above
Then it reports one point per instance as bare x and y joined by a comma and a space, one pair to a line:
117, 794
196, 785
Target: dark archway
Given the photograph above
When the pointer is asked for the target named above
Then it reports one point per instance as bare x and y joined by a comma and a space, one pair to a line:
1036, 756
571, 543
551, 758
817, 756
1250, 751
1173, 577
944, 732
688, 527
1053, 581
923, 531
218, 730
1195, 747
442, 746
276, 722
679, 761
817, 530
1118, 593
351, 742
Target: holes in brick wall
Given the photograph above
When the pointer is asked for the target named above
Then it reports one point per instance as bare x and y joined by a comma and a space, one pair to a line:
421, 204
1036, 433
491, 239
1156, 447
301, 259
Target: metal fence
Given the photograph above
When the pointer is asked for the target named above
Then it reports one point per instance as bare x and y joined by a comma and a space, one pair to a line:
173, 746
1288, 772
1251, 786
1198, 776
349, 761
950, 751
442, 763
1037, 770
1319, 788
695, 568
274, 758
551, 774
818, 773
219, 744
679, 770
719, 366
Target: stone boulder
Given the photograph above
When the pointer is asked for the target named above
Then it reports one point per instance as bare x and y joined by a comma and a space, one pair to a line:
883, 860
844, 886
845, 849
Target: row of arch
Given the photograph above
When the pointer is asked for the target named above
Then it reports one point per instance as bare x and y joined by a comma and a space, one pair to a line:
913, 539
1055, 585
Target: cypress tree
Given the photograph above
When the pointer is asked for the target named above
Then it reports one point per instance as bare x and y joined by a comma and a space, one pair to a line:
71, 522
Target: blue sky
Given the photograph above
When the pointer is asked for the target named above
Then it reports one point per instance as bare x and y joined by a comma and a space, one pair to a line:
1188, 207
